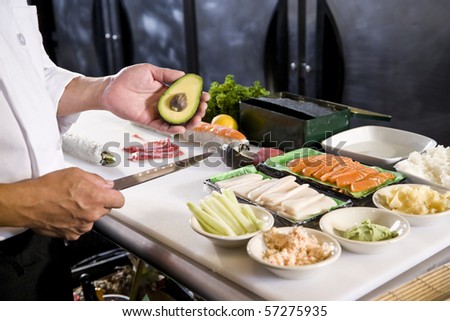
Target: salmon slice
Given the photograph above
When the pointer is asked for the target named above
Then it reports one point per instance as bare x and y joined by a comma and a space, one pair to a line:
330, 164
349, 177
339, 170
297, 167
294, 162
325, 169
371, 181
343, 170
309, 161
357, 174
229, 132
332, 172
343, 160
309, 171
223, 131
332, 159
299, 164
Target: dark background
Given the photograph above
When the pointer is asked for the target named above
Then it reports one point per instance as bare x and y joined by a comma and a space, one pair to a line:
386, 56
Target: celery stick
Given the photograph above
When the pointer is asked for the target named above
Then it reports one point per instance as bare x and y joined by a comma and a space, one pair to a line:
248, 212
235, 210
231, 196
245, 209
214, 214
209, 220
201, 220
206, 227
212, 209
225, 215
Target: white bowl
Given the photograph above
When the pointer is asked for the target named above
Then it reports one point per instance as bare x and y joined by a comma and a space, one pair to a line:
417, 179
377, 145
256, 247
238, 240
413, 219
336, 222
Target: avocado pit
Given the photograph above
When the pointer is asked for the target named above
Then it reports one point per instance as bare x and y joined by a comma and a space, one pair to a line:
178, 102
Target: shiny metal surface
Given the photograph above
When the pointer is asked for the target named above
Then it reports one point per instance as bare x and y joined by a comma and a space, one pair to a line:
203, 282
75, 27
139, 178
397, 61
232, 39
157, 32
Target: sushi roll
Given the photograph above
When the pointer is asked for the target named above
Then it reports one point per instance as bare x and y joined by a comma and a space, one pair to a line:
86, 149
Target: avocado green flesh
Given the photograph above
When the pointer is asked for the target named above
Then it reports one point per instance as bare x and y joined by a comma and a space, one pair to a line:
369, 232
191, 86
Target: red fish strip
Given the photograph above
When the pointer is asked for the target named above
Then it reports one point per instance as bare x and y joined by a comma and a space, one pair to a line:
163, 148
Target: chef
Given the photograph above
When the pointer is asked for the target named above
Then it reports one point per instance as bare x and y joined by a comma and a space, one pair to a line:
42, 203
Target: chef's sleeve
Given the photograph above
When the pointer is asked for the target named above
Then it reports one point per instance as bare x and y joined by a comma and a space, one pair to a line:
56, 79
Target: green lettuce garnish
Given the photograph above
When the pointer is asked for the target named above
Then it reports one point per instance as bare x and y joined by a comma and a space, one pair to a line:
225, 97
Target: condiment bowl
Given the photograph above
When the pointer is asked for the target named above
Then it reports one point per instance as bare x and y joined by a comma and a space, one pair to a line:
416, 179
256, 248
238, 240
413, 219
336, 222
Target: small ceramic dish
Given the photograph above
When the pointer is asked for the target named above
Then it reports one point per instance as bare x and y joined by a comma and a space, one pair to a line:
257, 246
336, 222
238, 240
377, 145
413, 178
413, 219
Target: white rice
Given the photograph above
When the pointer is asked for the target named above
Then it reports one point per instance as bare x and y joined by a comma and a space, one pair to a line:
433, 164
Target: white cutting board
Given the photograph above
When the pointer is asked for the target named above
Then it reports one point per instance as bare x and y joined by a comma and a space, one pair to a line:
158, 209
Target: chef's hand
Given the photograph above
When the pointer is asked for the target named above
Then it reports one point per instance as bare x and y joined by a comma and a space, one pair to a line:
64, 203
133, 94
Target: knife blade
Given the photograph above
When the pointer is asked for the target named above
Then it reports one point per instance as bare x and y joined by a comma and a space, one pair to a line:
135, 179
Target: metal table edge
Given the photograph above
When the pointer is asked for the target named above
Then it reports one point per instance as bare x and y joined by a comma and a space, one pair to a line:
197, 278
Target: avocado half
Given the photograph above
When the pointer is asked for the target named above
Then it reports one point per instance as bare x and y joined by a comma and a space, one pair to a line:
180, 101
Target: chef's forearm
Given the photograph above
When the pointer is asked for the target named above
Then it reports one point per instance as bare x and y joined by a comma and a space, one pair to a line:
14, 198
81, 94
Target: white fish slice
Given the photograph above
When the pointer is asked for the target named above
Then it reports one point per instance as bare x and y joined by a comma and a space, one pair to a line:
295, 205
282, 186
274, 199
253, 195
316, 205
286, 183
247, 178
244, 189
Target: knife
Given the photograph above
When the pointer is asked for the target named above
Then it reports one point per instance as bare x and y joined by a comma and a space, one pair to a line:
135, 179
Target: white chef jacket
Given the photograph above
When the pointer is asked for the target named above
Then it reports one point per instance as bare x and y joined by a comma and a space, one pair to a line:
30, 89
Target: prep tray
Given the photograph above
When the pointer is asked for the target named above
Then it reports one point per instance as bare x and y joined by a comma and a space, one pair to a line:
359, 198
311, 221
288, 121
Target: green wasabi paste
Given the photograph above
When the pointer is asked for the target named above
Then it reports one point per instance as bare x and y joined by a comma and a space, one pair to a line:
369, 232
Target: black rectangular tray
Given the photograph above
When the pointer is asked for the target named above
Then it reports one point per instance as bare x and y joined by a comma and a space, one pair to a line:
280, 220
